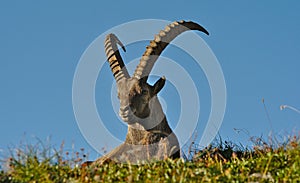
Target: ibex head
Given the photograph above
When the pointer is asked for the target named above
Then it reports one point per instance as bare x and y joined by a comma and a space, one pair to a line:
135, 95
138, 99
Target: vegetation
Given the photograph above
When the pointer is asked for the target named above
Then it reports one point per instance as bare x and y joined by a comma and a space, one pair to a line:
223, 162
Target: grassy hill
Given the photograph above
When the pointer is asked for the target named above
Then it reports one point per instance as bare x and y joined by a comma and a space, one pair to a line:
218, 163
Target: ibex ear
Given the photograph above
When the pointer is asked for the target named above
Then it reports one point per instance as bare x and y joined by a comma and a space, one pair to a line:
143, 80
159, 85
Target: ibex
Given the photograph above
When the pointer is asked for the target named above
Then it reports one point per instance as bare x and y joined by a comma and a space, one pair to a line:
149, 135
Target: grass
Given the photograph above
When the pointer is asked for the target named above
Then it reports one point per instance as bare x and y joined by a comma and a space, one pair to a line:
222, 162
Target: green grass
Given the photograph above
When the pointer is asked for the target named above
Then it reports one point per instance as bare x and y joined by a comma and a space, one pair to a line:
223, 162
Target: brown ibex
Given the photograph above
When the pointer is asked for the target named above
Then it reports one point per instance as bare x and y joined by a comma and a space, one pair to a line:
149, 135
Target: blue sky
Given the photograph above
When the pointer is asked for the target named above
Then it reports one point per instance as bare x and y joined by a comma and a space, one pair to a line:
256, 43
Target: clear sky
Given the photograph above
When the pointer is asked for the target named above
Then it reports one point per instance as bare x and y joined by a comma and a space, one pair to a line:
256, 43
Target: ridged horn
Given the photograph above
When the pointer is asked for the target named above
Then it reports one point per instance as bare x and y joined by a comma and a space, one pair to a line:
114, 58
160, 42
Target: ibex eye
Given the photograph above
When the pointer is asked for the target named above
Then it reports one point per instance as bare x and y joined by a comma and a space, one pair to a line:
144, 92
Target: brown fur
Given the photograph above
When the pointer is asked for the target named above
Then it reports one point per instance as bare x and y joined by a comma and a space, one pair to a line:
149, 135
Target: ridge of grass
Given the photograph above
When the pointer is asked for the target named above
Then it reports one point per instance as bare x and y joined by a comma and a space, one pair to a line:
221, 162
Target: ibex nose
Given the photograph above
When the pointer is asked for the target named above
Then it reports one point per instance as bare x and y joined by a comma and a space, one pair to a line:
124, 108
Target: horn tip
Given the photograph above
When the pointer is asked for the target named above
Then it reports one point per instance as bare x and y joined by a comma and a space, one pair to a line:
206, 32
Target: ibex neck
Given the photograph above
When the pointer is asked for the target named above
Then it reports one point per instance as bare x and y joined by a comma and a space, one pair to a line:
155, 123
154, 119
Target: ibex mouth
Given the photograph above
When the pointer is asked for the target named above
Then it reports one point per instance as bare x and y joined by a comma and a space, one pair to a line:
127, 115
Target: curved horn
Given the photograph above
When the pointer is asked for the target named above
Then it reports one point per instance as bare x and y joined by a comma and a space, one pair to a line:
160, 42
114, 58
